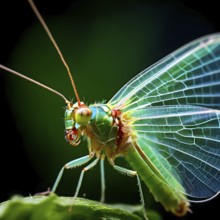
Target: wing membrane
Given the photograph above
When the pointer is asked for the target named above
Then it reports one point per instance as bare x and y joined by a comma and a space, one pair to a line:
189, 76
183, 141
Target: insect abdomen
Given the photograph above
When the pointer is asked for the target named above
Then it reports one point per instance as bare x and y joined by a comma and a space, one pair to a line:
172, 200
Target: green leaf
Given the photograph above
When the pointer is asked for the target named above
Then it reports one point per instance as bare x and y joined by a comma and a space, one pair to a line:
63, 208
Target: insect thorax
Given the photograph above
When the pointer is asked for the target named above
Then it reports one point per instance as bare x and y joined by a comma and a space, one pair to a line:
102, 131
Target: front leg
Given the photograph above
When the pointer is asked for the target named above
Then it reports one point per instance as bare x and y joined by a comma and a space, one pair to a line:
72, 164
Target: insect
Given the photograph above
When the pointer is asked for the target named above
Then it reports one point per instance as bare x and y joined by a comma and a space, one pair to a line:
165, 122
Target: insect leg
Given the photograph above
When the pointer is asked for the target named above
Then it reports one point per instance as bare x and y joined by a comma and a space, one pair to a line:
90, 166
72, 164
102, 199
133, 173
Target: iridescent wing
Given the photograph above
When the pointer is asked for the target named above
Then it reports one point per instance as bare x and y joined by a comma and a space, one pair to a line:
188, 76
184, 140
172, 104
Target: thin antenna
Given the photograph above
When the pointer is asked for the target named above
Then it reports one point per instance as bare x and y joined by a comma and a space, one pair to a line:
56, 47
33, 81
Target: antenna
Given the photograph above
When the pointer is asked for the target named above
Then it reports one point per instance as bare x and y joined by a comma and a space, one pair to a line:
33, 81
40, 18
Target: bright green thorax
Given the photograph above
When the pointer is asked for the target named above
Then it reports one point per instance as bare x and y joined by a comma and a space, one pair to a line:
102, 125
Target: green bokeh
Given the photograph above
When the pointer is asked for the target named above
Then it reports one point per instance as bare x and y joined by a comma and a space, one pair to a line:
105, 45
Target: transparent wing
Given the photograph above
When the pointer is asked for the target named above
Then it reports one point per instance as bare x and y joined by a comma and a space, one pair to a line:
182, 142
171, 105
188, 76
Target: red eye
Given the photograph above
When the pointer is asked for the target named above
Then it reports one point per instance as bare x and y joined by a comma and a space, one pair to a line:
72, 136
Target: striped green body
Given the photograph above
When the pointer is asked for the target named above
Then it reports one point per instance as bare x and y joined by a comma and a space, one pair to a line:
171, 199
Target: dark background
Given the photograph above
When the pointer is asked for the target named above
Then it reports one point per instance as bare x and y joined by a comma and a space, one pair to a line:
19, 174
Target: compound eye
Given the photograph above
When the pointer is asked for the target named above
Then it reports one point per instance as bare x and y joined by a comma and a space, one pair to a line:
83, 115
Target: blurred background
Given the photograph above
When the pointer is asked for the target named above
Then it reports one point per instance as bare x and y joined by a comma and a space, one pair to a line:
105, 43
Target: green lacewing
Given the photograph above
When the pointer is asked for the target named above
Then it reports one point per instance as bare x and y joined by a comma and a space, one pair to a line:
164, 121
